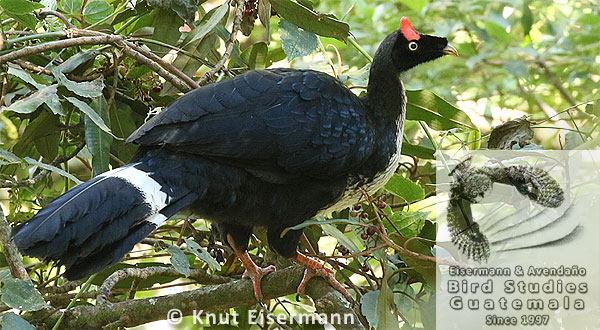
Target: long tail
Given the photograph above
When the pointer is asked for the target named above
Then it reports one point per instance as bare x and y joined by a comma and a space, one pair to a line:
96, 223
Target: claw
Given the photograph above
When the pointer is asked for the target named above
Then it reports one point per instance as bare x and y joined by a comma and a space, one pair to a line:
314, 268
252, 271
256, 275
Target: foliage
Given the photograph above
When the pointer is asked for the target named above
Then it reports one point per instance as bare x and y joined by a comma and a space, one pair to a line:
66, 111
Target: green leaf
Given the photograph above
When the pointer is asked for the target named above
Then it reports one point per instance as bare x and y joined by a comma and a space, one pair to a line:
256, 56
27, 20
402, 300
295, 41
202, 254
593, 108
426, 268
497, 32
53, 169
19, 7
319, 222
96, 11
53, 102
47, 144
49, 4
179, 260
517, 68
135, 72
527, 18
9, 156
42, 126
71, 6
85, 89
416, 5
25, 76
386, 315
417, 151
428, 312
343, 239
408, 223
405, 189
122, 124
13, 321
264, 15
190, 65
32, 102
368, 307
186, 9
573, 140
97, 140
435, 111
212, 18
20, 294
166, 29
474, 140
5, 274
311, 21
75, 61
85, 108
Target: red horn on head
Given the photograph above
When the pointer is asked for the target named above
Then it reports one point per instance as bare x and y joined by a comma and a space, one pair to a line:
407, 30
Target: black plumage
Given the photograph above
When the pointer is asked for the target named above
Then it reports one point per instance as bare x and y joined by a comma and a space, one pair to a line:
266, 148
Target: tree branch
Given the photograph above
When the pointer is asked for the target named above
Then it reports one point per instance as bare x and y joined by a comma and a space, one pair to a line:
77, 37
13, 258
59, 44
199, 275
134, 312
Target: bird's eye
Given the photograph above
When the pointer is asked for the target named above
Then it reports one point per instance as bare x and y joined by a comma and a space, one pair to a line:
413, 45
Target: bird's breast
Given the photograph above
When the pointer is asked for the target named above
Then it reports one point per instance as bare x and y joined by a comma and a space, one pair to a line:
370, 183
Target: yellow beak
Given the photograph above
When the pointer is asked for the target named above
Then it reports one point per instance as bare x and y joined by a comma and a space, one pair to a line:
449, 50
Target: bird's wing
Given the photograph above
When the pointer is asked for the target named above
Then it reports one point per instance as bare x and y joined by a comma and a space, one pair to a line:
278, 122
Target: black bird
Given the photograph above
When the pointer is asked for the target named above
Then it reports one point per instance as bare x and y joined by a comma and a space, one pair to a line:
266, 148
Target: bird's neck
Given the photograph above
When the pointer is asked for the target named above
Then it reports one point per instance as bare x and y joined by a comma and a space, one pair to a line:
385, 92
386, 103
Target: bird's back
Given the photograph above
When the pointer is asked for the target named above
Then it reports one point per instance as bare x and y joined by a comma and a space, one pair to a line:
280, 124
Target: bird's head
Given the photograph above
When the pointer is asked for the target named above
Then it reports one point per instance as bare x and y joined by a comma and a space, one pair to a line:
407, 48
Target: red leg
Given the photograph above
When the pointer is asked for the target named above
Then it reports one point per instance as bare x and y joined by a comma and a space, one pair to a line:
314, 268
252, 271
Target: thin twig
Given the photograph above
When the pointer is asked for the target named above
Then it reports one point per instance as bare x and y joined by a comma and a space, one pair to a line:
4, 88
360, 254
66, 287
86, 286
113, 91
62, 17
237, 21
168, 66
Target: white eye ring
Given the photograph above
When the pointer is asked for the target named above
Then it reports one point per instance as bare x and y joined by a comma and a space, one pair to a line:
413, 45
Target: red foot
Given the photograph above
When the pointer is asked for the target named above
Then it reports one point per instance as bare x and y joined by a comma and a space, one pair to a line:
314, 268
256, 275
253, 272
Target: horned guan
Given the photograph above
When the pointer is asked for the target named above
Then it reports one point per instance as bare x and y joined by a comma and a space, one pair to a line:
268, 148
